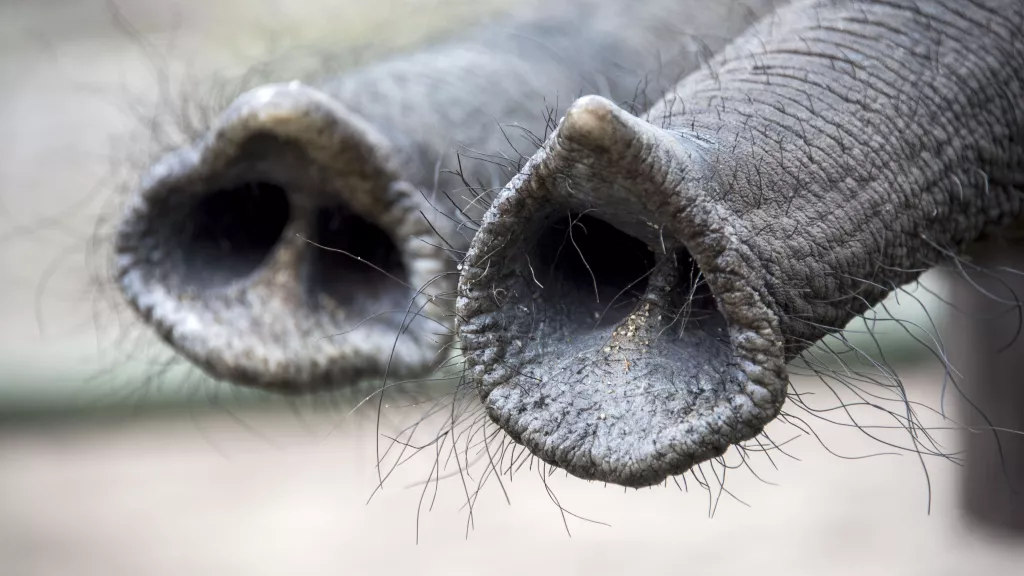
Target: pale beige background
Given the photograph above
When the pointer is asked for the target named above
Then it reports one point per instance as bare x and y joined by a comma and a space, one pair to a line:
238, 488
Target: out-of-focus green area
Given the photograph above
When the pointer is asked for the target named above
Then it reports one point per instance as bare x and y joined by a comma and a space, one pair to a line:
899, 333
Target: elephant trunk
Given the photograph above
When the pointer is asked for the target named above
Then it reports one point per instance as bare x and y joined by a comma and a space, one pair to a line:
632, 298
309, 239
284, 249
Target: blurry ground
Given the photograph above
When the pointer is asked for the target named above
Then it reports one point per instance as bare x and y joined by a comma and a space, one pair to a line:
90, 488
272, 493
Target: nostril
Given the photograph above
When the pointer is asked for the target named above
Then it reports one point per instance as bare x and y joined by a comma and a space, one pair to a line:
218, 248
691, 303
359, 262
586, 262
226, 235
690, 364
594, 263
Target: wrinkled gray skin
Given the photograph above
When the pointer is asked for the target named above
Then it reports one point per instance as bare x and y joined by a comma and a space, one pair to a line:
213, 250
825, 158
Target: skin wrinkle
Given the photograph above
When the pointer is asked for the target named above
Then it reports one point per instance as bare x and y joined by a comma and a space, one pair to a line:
702, 447
720, 74
831, 170
455, 119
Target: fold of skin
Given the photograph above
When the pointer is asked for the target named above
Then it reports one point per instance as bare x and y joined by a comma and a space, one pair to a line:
632, 297
217, 248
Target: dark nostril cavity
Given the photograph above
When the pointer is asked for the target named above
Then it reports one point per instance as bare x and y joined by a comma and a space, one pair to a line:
591, 267
692, 303
595, 263
338, 272
228, 234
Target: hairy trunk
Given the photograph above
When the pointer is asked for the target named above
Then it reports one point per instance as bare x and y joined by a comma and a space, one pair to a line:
305, 242
826, 157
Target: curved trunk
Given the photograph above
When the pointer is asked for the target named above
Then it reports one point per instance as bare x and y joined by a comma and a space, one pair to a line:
218, 248
826, 157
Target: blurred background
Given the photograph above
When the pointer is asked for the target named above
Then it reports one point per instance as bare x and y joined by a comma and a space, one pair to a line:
114, 461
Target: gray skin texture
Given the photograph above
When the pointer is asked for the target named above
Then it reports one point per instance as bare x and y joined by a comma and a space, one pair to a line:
216, 249
825, 158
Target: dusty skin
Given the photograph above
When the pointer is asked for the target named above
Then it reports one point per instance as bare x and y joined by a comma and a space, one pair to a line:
632, 298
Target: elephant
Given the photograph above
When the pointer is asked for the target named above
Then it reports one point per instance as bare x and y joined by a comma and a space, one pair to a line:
633, 297
308, 239
629, 288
